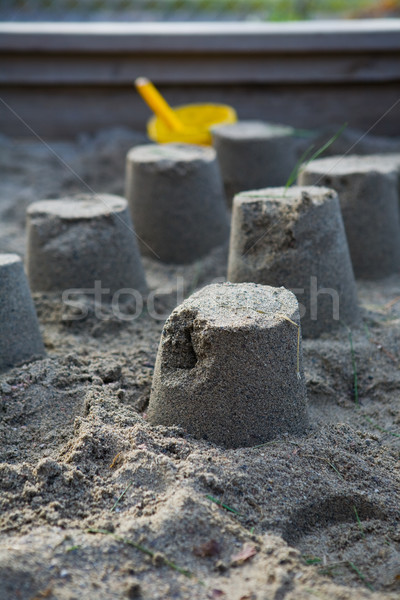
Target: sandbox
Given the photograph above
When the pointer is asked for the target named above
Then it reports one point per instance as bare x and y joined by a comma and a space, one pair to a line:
96, 502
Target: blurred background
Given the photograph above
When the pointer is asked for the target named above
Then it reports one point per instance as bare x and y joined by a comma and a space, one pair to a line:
68, 66
194, 10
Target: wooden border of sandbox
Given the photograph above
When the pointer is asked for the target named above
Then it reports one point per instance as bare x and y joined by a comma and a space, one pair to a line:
67, 78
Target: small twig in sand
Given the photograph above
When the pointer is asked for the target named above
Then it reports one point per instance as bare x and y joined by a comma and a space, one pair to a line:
122, 495
325, 460
45, 594
384, 350
390, 304
143, 549
115, 460
379, 345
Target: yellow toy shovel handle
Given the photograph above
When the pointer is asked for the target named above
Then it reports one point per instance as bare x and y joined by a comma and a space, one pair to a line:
158, 104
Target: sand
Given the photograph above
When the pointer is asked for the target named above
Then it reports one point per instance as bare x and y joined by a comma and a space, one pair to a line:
96, 503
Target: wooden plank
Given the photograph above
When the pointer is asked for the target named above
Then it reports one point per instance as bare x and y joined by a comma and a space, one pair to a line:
60, 111
62, 79
34, 69
313, 36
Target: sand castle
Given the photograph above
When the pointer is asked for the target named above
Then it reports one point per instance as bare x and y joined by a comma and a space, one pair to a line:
176, 197
229, 366
295, 237
253, 155
20, 338
75, 241
368, 188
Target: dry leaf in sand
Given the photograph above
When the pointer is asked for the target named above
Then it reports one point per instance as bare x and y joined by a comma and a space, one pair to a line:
247, 552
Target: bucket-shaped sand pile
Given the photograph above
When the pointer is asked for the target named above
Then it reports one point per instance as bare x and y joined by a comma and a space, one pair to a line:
368, 188
229, 366
295, 237
177, 202
253, 155
20, 339
73, 242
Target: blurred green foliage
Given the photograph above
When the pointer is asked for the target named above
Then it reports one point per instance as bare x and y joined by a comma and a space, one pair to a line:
274, 10
286, 10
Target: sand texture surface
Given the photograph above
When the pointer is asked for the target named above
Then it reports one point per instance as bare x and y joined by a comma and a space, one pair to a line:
97, 503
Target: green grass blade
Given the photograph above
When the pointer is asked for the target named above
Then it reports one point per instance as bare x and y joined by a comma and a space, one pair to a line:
354, 365
293, 175
379, 428
359, 522
312, 560
361, 576
121, 496
143, 549
328, 143
228, 508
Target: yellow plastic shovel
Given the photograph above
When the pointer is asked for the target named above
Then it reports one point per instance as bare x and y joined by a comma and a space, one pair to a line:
190, 123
